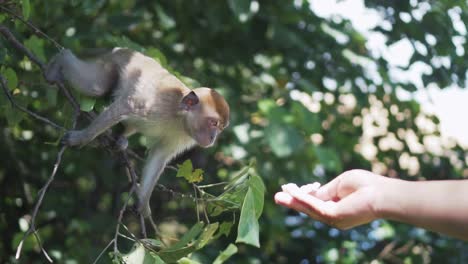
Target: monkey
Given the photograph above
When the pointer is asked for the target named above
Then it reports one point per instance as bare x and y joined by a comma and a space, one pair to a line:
147, 99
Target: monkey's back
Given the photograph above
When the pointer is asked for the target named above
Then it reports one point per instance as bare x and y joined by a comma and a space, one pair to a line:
154, 95
144, 82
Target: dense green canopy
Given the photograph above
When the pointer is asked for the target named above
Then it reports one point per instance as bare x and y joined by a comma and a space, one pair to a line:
309, 99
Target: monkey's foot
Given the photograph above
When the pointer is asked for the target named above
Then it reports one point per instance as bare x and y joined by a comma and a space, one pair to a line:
121, 143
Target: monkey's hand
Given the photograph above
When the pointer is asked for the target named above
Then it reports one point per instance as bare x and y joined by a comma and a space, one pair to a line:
76, 138
121, 143
53, 72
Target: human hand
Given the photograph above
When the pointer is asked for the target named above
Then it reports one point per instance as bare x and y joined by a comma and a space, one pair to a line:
347, 201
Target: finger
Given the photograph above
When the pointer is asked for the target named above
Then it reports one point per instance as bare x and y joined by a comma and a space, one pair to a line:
310, 188
343, 185
314, 204
289, 185
285, 199
329, 191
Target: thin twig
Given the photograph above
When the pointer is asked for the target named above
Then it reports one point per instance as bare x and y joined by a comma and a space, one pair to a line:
127, 237
155, 228
42, 192
196, 203
133, 175
103, 251
10, 37
212, 185
36, 235
205, 213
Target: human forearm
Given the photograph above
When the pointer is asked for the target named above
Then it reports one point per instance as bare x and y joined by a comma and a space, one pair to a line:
440, 206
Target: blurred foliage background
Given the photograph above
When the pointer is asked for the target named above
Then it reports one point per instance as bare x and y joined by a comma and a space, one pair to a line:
308, 99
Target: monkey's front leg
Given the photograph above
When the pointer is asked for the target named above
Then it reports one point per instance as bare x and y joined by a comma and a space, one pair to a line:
115, 113
152, 170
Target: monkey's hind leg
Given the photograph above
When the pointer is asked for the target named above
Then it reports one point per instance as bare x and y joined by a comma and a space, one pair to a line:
90, 78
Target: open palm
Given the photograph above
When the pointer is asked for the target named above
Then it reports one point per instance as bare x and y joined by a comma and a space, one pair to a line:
345, 202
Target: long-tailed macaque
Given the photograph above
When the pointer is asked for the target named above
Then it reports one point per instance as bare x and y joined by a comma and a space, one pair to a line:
147, 99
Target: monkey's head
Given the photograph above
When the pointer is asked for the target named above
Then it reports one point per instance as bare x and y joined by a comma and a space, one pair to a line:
206, 115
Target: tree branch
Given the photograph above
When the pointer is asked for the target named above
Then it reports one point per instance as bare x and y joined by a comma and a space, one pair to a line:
9, 36
42, 192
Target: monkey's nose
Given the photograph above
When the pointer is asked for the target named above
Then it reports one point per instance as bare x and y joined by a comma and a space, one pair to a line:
213, 136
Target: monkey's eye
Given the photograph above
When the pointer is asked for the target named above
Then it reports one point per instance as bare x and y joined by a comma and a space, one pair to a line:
213, 122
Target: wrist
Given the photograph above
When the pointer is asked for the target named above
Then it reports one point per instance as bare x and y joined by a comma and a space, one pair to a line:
387, 204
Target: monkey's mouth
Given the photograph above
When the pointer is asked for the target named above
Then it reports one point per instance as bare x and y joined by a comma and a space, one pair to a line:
205, 143
206, 140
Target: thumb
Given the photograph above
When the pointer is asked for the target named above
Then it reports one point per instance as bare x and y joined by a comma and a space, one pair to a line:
343, 185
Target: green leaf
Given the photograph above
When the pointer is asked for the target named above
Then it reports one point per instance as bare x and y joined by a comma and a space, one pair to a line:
12, 79
283, 140
171, 255
51, 95
224, 229
26, 9
186, 171
248, 229
36, 45
207, 234
13, 115
189, 236
141, 255
187, 261
197, 176
226, 254
176, 252
258, 191
87, 103
239, 177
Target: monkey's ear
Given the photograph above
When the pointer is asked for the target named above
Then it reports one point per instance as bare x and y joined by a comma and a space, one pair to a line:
189, 101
